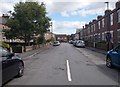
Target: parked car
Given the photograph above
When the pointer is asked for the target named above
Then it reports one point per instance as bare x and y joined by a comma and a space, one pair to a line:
113, 57
71, 42
12, 65
56, 43
80, 43
74, 42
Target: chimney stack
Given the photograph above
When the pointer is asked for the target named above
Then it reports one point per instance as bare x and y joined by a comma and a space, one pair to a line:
99, 17
118, 4
107, 12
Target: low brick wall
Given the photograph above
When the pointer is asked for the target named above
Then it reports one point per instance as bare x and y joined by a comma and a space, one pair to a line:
101, 46
28, 48
20, 49
17, 49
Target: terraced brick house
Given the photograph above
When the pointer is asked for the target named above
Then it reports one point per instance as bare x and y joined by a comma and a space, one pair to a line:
96, 32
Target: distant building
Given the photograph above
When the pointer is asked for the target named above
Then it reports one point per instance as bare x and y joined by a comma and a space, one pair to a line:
3, 20
2, 37
77, 34
49, 36
61, 37
72, 36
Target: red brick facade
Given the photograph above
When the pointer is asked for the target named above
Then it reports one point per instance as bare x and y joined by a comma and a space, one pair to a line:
96, 31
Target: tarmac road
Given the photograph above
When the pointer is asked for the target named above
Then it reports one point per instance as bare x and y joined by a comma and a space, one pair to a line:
66, 65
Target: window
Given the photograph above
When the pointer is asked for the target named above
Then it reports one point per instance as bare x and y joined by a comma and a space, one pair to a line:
111, 35
103, 36
118, 35
0, 51
103, 23
58, 38
118, 16
98, 24
117, 48
94, 27
4, 52
99, 37
111, 19
96, 37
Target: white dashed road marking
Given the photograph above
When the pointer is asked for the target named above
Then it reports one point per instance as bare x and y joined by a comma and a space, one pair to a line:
68, 71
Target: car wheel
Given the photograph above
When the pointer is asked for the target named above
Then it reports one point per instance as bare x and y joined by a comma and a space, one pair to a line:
109, 62
21, 69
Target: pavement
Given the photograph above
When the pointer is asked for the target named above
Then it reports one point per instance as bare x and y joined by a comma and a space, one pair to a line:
33, 52
97, 50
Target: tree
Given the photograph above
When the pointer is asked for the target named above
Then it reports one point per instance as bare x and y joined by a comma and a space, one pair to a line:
28, 20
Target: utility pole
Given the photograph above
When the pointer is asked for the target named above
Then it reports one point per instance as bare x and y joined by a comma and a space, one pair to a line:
52, 32
109, 44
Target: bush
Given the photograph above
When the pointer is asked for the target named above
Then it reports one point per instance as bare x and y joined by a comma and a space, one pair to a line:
5, 45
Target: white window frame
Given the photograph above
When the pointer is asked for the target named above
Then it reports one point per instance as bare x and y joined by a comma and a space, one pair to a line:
98, 24
103, 36
98, 36
103, 23
111, 19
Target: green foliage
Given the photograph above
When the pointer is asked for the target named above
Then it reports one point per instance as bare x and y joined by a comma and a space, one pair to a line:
27, 21
40, 40
5, 45
47, 41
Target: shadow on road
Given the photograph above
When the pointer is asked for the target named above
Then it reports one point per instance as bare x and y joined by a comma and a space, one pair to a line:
113, 73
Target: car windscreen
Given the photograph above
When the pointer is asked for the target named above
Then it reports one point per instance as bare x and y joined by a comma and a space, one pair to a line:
0, 51
55, 42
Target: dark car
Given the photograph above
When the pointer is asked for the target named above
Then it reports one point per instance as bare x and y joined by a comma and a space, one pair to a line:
113, 57
12, 65
71, 42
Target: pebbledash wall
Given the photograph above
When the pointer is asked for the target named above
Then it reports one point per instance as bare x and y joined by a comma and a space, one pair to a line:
95, 32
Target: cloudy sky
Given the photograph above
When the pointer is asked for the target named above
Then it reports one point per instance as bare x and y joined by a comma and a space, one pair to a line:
67, 15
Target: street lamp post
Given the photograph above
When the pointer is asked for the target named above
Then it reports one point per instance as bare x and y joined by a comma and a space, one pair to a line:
51, 32
108, 34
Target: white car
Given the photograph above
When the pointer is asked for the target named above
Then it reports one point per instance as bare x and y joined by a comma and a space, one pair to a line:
74, 42
56, 43
80, 43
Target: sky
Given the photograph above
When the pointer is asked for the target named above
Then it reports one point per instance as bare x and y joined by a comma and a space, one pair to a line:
66, 15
